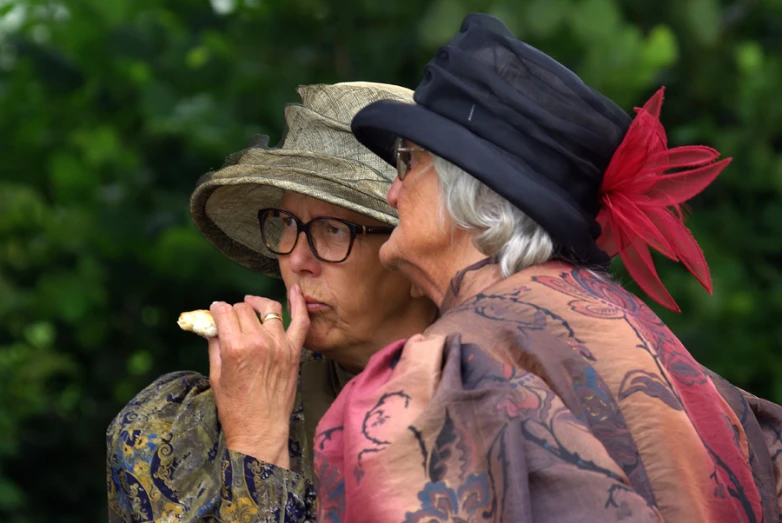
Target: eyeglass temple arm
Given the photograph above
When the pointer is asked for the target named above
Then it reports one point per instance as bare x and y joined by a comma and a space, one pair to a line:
380, 229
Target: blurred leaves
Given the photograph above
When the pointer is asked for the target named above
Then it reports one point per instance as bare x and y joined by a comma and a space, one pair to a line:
112, 110
704, 18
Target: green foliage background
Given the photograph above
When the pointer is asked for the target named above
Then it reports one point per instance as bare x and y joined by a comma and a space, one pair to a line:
110, 110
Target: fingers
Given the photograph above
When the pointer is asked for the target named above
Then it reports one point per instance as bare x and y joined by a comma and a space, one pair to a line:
264, 306
236, 331
248, 319
215, 361
300, 319
226, 320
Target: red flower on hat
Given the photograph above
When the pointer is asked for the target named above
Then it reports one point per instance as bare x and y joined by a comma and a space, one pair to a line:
641, 196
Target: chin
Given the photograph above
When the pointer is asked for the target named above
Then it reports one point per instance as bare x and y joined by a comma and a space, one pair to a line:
317, 340
320, 348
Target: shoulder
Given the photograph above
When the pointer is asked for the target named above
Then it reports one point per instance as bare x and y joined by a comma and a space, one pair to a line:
165, 400
170, 427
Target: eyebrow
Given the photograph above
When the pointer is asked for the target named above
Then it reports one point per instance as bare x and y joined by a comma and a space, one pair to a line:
334, 215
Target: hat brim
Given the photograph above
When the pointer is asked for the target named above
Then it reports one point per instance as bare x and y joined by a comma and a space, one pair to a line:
224, 206
379, 124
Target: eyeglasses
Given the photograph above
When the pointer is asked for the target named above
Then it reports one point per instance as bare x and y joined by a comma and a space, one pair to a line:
330, 239
404, 156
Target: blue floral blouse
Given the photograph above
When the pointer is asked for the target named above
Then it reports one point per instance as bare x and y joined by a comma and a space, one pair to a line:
167, 461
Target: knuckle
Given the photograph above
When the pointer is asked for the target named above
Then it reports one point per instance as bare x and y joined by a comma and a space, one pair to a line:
245, 345
234, 348
241, 306
255, 301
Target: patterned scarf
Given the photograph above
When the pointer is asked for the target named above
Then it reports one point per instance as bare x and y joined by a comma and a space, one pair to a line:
552, 395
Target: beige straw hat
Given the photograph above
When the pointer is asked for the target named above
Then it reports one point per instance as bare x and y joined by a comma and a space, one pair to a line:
319, 157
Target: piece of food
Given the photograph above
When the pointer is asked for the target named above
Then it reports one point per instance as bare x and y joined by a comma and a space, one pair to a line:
201, 322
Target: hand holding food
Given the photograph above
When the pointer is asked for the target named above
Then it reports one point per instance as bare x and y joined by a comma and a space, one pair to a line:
253, 373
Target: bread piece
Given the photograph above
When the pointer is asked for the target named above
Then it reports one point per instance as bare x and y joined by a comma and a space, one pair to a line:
200, 322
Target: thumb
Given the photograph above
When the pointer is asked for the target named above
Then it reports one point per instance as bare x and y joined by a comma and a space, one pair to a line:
300, 319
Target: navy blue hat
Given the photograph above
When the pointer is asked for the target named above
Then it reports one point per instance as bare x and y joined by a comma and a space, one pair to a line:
518, 121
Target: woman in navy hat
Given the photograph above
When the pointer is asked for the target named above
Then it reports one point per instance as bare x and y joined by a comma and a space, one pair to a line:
545, 391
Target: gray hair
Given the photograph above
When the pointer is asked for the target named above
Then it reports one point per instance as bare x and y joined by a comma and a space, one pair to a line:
503, 232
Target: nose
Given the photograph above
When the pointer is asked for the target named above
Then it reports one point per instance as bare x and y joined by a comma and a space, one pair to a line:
393, 192
302, 260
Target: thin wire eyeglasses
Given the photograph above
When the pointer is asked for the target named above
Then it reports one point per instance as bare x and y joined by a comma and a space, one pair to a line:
404, 155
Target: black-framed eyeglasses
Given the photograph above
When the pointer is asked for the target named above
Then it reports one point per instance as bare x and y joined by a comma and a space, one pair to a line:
404, 155
330, 239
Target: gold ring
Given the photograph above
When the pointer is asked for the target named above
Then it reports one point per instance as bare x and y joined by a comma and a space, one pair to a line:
271, 316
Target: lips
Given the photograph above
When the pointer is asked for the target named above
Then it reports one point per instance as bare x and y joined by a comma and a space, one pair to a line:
314, 305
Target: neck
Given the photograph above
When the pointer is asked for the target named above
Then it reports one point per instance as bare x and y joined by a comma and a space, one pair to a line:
433, 275
355, 361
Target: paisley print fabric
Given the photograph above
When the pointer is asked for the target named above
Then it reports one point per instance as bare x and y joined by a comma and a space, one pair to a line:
167, 461
553, 395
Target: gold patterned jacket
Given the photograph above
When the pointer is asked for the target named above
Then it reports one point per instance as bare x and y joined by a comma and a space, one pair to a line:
167, 459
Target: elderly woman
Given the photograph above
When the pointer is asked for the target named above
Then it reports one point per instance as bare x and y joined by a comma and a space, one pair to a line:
238, 446
544, 391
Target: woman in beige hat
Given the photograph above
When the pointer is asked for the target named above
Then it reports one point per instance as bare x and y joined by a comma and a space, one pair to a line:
238, 446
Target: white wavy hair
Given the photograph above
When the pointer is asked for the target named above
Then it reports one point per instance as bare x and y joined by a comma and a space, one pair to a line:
502, 231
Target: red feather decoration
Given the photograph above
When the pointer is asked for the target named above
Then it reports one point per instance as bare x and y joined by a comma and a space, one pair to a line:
641, 201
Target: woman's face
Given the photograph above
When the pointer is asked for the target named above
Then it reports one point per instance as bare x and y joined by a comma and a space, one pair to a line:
424, 234
357, 306
426, 246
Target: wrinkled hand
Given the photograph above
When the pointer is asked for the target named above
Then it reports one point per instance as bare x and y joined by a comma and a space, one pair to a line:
253, 371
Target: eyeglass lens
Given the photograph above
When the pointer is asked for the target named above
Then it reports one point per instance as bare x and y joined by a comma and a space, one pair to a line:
330, 239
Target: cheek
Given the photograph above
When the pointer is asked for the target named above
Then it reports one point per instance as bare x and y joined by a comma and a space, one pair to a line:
407, 230
419, 211
421, 230
285, 272
344, 284
362, 279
